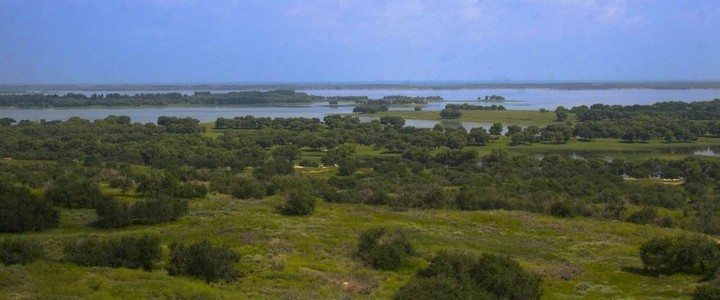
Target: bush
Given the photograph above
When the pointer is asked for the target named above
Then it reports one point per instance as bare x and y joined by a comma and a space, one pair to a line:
562, 209
19, 251
191, 189
21, 211
688, 254
383, 249
458, 275
308, 163
204, 261
248, 187
300, 201
116, 214
129, 252
647, 215
480, 198
74, 192
707, 292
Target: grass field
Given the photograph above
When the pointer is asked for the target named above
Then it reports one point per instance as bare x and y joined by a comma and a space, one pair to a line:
289, 257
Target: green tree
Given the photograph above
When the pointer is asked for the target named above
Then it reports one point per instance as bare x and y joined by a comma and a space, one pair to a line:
458, 275
21, 211
286, 152
561, 114
74, 192
496, 129
204, 261
385, 249
20, 251
692, 254
299, 201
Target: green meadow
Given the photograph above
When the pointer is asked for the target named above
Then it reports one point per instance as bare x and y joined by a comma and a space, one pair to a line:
313, 257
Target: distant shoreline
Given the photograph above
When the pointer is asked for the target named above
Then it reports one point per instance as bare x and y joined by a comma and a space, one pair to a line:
669, 85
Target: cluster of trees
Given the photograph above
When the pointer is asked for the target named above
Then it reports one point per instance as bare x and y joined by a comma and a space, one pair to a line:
334, 100
450, 275
22, 211
157, 99
369, 108
251, 122
116, 214
697, 110
397, 100
492, 98
554, 133
385, 249
128, 251
466, 106
458, 275
20, 251
450, 113
202, 259
689, 254
672, 121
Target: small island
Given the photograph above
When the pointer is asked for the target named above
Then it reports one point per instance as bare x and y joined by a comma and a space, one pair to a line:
492, 98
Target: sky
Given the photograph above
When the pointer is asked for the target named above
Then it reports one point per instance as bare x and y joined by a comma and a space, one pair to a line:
267, 41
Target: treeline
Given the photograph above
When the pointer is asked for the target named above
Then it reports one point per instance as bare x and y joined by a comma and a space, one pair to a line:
158, 99
398, 100
202, 260
672, 121
466, 106
492, 98
369, 108
697, 110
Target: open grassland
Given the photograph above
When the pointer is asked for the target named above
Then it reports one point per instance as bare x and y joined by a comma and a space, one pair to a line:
289, 257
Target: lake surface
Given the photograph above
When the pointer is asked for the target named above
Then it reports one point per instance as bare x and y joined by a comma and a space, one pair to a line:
522, 99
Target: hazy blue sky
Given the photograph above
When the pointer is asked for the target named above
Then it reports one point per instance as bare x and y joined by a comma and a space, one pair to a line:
166, 41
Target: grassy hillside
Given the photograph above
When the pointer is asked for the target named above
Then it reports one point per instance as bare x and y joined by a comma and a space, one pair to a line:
290, 257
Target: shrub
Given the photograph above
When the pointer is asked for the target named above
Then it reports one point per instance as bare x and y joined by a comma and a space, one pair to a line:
191, 189
300, 201
688, 254
308, 163
480, 198
248, 187
115, 214
562, 209
647, 215
74, 192
384, 249
707, 292
458, 275
204, 261
129, 252
19, 251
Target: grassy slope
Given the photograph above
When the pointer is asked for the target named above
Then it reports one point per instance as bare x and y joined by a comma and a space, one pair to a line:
312, 257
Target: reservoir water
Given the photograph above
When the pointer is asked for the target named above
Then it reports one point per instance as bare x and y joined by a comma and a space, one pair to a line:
521, 99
